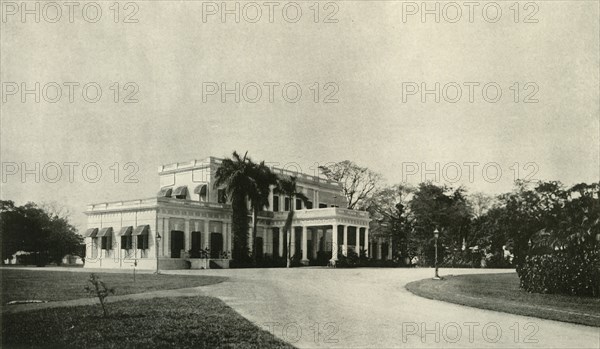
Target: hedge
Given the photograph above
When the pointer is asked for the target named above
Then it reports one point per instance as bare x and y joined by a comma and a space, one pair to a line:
561, 272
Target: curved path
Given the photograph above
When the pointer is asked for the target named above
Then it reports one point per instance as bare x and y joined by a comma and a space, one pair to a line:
370, 308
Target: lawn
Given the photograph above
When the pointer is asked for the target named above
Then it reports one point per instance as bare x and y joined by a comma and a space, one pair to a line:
64, 285
501, 292
179, 322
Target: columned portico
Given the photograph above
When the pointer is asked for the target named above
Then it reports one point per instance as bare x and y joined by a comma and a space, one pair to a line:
345, 248
334, 244
367, 242
293, 242
281, 242
358, 241
304, 245
206, 234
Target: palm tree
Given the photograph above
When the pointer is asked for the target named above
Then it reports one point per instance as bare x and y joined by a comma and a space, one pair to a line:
288, 188
258, 194
236, 174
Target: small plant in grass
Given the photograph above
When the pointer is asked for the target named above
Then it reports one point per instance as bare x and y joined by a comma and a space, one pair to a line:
96, 287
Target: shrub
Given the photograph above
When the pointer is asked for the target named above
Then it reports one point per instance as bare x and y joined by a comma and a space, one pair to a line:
96, 287
350, 261
562, 272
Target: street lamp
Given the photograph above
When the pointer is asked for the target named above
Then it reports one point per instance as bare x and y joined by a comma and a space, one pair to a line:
158, 237
436, 234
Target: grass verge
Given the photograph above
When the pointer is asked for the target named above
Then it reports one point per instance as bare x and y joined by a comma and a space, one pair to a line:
179, 322
65, 285
501, 292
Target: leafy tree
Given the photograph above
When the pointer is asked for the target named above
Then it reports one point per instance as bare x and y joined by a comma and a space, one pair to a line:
262, 179
480, 203
358, 183
438, 207
288, 188
235, 175
30, 228
390, 214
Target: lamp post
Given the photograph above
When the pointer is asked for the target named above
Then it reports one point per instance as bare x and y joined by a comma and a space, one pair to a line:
157, 242
436, 234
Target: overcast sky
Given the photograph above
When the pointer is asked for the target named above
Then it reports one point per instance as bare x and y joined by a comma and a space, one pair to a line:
370, 61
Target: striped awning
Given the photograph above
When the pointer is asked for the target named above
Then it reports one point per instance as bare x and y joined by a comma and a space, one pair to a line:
126, 231
200, 189
141, 230
181, 190
108, 231
91, 233
165, 192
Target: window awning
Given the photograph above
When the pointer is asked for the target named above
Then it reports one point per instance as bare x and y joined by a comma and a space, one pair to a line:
141, 230
126, 231
91, 233
200, 189
165, 192
105, 232
181, 190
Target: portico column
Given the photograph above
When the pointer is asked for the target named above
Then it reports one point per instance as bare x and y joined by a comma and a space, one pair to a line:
292, 241
230, 239
206, 234
166, 239
224, 231
367, 241
280, 242
304, 244
334, 243
315, 242
390, 250
265, 236
187, 235
358, 241
378, 248
250, 242
345, 248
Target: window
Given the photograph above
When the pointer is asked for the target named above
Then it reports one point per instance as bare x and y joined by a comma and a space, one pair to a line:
221, 196
322, 205
275, 203
106, 243
287, 204
126, 242
298, 204
309, 205
142, 242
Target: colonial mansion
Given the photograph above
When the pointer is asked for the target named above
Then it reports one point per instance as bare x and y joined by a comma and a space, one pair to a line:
188, 224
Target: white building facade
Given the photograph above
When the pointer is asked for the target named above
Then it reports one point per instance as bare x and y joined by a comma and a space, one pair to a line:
188, 224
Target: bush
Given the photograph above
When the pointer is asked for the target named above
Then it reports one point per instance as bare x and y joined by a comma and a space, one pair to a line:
350, 261
562, 272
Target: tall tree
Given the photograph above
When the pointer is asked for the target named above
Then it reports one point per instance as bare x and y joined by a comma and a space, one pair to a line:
262, 178
288, 188
29, 228
443, 208
390, 214
481, 203
235, 174
358, 183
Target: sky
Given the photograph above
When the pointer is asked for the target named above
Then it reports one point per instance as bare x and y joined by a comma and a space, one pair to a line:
361, 67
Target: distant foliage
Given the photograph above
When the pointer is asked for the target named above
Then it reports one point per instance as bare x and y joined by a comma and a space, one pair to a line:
42, 231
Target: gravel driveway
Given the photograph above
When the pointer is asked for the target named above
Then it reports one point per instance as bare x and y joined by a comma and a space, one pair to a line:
370, 308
